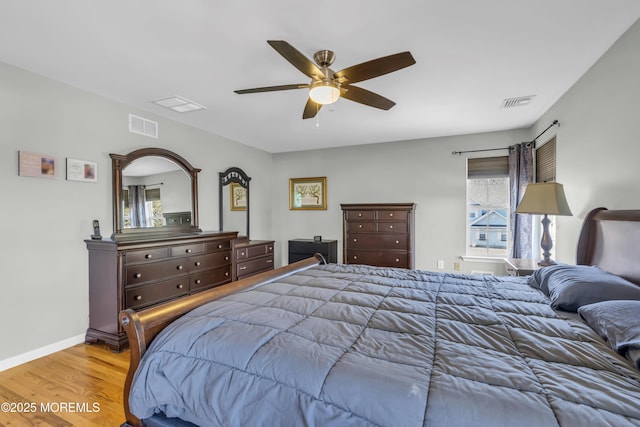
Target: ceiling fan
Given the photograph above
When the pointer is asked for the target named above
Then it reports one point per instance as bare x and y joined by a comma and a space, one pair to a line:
327, 86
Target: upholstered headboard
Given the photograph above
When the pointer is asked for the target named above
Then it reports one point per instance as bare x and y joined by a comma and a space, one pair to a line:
610, 239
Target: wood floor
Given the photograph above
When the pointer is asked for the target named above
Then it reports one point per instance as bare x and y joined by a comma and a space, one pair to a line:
79, 386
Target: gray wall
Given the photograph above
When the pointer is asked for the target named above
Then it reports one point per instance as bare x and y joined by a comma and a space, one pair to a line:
44, 296
598, 145
44, 222
422, 171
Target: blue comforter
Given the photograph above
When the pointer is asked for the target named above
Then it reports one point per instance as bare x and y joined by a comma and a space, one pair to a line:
343, 345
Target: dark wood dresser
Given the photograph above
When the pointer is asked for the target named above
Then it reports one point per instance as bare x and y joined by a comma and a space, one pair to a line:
300, 249
136, 274
252, 257
380, 234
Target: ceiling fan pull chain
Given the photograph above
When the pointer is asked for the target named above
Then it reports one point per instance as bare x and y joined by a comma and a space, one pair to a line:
317, 116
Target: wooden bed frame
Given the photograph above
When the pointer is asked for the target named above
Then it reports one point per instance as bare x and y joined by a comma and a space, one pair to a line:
609, 239
142, 326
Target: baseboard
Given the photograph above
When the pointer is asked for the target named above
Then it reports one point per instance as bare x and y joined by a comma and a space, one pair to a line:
40, 352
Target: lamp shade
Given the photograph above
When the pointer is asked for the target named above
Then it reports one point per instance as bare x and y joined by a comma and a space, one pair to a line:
544, 198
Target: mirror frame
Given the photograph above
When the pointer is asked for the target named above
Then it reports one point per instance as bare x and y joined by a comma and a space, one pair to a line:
237, 175
119, 162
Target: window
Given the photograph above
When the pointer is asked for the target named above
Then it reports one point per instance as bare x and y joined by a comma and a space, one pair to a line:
488, 206
546, 161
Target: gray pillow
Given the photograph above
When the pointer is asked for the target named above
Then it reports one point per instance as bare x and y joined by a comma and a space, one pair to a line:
540, 277
617, 322
572, 287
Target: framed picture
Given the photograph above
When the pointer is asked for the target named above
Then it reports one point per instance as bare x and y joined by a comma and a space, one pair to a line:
238, 196
36, 165
82, 170
308, 193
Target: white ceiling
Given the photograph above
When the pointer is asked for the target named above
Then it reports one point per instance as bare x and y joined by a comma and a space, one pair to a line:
470, 55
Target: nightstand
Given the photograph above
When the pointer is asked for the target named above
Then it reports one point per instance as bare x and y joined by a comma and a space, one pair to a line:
305, 248
520, 266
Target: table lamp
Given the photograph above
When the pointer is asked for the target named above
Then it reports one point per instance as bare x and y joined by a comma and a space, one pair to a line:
544, 198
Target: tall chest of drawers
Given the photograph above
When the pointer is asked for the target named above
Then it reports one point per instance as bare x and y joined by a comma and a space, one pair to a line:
137, 274
379, 234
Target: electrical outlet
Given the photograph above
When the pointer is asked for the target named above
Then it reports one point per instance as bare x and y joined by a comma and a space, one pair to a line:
456, 266
441, 264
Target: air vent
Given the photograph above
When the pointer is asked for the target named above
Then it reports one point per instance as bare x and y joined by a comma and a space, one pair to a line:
179, 104
142, 126
517, 102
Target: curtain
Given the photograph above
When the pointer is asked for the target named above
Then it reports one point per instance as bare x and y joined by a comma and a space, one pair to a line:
520, 174
137, 206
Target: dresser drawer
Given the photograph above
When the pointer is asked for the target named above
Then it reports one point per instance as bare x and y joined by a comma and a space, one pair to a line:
361, 215
392, 227
219, 245
376, 241
146, 255
203, 262
254, 266
379, 258
365, 227
208, 278
145, 295
392, 215
141, 273
182, 250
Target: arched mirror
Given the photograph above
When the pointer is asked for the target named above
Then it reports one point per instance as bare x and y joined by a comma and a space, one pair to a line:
234, 201
154, 191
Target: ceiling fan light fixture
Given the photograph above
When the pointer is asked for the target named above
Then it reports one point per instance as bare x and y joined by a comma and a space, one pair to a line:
324, 92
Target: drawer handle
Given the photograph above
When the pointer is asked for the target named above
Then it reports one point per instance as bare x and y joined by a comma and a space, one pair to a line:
226, 274
360, 226
391, 226
390, 214
137, 275
355, 257
397, 242
138, 298
243, 268
359, 214
397, 260
148, 256
355, 240
179, 267
180, 286
241, 253
220, 246
269, 261
198, 281
226, 258
198, 263
188, 251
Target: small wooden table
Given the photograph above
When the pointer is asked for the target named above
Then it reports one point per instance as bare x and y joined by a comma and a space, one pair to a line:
520, 266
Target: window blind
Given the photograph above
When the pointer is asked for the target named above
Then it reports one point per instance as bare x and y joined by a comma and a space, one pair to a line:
546, 161
486, 167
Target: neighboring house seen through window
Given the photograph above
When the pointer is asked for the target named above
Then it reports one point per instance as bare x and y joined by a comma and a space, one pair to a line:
488, 206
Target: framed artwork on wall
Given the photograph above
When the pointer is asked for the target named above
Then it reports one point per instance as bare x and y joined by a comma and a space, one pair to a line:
82, 170
36, 165
308, 193
238, 196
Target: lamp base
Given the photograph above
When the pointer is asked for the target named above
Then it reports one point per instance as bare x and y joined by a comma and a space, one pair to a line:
546, 243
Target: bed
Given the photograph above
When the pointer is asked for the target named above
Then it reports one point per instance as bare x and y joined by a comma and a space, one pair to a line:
335, 345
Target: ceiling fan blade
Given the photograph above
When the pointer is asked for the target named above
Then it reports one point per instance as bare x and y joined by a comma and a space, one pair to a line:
366, 97
375, 67
311, 109
272, 88
297, 59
